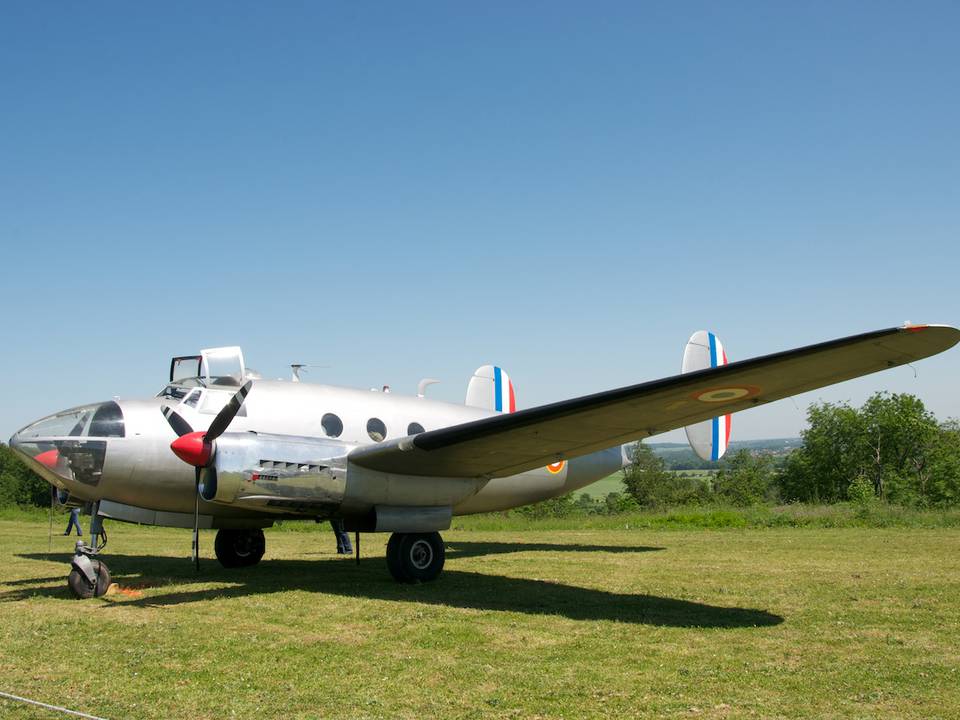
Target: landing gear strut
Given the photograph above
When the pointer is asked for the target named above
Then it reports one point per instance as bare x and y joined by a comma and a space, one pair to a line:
89, 576
239, 548
415, 557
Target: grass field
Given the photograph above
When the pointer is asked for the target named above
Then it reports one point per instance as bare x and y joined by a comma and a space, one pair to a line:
783, 622
602, 488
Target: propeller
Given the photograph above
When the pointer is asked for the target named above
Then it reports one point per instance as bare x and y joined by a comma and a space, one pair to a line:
199, 448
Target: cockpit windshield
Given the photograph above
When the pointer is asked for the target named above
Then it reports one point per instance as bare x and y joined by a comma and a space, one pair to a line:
100, 420
71, 445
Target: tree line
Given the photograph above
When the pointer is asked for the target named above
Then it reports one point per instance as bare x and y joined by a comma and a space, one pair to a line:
891, 449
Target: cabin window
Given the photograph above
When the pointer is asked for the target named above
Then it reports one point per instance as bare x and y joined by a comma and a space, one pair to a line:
376, 429
332, 425
414, 428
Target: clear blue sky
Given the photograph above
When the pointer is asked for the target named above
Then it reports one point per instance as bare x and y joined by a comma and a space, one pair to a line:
410, 190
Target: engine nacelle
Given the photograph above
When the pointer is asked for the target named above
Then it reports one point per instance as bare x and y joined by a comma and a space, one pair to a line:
312, 476
276, 473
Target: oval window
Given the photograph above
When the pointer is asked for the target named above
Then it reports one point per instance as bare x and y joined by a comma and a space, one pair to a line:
376, 429
414, 428
332, 425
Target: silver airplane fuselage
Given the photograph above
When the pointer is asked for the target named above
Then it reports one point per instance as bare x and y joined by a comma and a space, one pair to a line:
119, 453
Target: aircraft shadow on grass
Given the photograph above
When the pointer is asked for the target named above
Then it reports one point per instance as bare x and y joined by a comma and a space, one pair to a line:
369, 579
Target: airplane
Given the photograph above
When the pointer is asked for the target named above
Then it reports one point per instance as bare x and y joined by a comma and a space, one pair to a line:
219, 447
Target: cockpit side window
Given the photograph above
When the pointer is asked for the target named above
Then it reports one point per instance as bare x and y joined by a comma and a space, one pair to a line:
107, 421
81, 424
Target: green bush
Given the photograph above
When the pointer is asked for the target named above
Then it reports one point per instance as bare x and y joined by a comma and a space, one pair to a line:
651, 485
745, 480
860, 491
18, 484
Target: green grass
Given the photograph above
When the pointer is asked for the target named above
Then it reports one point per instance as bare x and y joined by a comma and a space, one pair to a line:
602, 488
808, 622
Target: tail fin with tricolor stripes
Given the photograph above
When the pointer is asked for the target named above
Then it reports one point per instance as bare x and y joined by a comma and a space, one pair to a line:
709, 438
491, 388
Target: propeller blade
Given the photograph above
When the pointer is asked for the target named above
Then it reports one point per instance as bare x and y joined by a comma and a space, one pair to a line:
226, 415
180, 426
196, 519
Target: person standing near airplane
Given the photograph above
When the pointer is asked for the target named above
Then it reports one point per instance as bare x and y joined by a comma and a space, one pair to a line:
74, 521
343, 538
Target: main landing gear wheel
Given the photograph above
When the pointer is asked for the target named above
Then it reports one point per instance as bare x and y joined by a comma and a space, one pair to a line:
415, 557
239, 548
83, 587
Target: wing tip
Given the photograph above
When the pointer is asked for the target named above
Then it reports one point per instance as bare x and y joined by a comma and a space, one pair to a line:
937, 338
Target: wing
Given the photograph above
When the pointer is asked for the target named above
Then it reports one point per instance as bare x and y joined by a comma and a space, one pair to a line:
511, 443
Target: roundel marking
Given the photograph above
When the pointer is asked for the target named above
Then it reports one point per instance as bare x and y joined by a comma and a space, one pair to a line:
726, 394
556, 467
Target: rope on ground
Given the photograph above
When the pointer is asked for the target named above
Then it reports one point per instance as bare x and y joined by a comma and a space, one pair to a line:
56, 708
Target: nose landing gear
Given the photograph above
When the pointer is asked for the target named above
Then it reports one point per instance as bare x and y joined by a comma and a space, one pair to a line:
415, 557
89, 576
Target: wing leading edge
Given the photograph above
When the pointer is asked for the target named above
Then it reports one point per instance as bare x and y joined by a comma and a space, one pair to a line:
508, 444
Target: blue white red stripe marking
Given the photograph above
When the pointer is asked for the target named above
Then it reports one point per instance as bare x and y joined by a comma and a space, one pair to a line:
721, 425
504, 399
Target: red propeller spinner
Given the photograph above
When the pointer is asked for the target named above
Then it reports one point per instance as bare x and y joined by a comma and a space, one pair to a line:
193, 449
197, 447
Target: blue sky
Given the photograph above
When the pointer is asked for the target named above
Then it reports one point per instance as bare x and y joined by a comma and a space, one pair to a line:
416, 189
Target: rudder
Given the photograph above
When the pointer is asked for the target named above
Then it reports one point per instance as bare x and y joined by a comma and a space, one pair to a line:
491, 388
710, 438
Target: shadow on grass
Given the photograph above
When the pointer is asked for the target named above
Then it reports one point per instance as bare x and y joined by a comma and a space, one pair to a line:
473, 549
369, 579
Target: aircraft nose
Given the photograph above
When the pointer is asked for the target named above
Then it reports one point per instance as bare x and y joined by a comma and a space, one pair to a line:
41, 456
71, 445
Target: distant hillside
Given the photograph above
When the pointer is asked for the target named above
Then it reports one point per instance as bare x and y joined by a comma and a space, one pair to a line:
766, 444
679, 456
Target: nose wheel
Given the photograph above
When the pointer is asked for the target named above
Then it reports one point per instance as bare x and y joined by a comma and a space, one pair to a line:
89, 575
415, 557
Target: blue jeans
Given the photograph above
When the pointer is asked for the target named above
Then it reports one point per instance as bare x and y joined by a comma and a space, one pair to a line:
343, 537
74, 521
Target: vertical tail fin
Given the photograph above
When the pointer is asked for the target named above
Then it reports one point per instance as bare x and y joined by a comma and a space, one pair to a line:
491, 388
709, 439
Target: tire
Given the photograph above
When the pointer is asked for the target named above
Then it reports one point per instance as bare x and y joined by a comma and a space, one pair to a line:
82, 588
239, 548
415, 557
